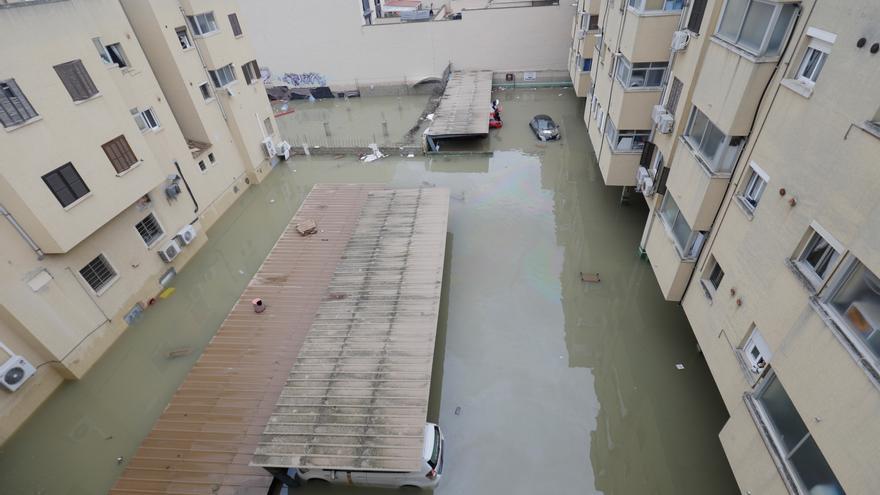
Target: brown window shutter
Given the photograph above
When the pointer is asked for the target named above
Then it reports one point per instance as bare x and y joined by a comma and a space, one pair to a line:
15, 107
120, 154
674, 93
236, 27
647, 154
661, 181
696, 17
76, 80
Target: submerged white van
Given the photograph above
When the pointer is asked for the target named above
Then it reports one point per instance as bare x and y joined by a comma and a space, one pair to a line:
428, 475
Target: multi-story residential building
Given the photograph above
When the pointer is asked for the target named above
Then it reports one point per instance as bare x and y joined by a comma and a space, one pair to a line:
752, 128
125, 135
584, 31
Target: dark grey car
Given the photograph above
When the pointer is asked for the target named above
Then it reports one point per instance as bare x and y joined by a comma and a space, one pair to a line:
544, 127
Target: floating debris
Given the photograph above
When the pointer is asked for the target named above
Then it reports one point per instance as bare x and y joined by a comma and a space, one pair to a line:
375, 155
592, 278
679, 366
180, 352
165, 294
458, 411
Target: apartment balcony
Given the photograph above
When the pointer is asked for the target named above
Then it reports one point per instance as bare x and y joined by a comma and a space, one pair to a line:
697, 191
631, 108
579, 70
647, 32
618, 168
671, 269
730, 86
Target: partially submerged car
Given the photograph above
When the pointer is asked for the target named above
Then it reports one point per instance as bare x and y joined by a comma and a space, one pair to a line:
428, 475
544, 127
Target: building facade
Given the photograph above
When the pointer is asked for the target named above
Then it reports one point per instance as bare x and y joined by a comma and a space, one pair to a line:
125, 135
752, 130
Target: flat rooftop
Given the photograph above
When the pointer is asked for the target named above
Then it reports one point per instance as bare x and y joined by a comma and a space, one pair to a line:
357, 396
465, 105
204, 441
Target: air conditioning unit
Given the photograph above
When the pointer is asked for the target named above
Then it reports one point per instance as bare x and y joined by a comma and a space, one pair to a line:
656, 112
170, 251
680, 40
665, 124
269, 146
14, 372
172, 190
186, 235
283, 150
644, 183
581, 34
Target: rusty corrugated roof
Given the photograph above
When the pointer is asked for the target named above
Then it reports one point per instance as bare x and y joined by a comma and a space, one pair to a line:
205, 439
357, 396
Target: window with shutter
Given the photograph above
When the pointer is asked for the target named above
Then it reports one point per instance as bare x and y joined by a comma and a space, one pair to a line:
661, 181
66, 184
76, 80
120, 154
236, 27
698, 7
647, 154
674, 93
15, 108
251, 72
98, 273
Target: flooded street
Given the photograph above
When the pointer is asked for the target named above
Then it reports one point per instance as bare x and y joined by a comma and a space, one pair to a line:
545, 384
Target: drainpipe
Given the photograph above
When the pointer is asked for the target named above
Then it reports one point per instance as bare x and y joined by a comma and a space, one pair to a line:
23, 233
188, 189
202, 60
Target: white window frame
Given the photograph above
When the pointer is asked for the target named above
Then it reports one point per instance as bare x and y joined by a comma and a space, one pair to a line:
625, 69
162, 231
820, 44
639, 5
109, 283
209, 21
617, 137
186, 43
146, 119
228, 73
103, 54
694, 242
832, 258
714, 164
756, 353
869, 357
206, 84
750, 195
765, 40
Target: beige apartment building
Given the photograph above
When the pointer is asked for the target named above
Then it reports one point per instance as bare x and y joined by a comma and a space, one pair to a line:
752, 129
125, 135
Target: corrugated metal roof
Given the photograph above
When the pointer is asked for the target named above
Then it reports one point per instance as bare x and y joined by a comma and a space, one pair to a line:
205, 439
464, 107
357, 396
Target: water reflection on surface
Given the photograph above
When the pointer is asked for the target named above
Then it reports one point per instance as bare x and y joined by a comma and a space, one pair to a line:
563, 387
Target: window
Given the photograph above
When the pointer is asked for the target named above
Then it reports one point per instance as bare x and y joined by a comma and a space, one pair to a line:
202, 24
713, 276
855, 299
183, 38
76, 80
251, 72
589, 22
145, 119
717, 151
649, 5
205, 89
15, 108
211, 158
686, 240
793, 440
640, 75
236, 27
818, 256
673, 95
625, 141
98, 273
756, 353
102, 51
267, 125
66, 184
754, 188
202, 165
815, 56
222, 76
149, 230
698, 8
111, 54
757, 26
120, 154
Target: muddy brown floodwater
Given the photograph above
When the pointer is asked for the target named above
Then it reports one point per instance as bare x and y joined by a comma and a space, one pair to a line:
562, 387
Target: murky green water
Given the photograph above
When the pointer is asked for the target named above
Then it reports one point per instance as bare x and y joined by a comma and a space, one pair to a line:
563, 387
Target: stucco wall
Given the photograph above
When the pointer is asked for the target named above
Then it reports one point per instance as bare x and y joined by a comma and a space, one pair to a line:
327, 37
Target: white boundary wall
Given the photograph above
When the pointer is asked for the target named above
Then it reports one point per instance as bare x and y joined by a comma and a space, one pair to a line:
327, 38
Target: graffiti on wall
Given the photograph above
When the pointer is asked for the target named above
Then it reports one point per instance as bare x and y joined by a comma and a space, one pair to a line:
303, 79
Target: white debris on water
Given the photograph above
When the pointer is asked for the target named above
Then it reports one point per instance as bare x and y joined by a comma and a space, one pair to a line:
679, 366
375, 155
